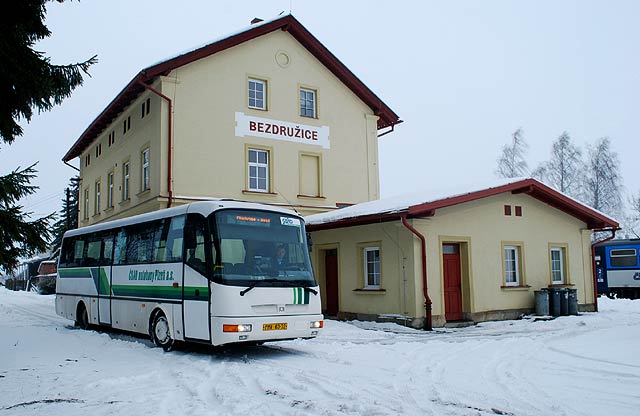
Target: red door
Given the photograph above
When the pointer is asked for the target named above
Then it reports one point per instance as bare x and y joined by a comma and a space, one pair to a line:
452, 282
331, 270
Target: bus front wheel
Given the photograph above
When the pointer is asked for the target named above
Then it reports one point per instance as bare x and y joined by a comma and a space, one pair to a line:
160, 332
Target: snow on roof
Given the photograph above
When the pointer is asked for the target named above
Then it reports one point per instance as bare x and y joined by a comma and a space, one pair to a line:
404, 201
218, 39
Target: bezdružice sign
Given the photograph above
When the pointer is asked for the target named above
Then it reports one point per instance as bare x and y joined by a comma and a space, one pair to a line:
281, 130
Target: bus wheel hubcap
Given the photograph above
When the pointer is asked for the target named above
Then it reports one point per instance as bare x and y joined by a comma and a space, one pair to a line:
162, 330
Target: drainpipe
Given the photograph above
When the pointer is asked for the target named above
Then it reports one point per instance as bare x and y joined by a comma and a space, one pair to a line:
427, 305
169, 151
593, 263
71, 166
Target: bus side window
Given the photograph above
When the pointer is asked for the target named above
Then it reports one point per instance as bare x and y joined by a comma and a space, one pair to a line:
78, 251
107, 253
67, 253
194, 243
119, 255
93, 252
167, 243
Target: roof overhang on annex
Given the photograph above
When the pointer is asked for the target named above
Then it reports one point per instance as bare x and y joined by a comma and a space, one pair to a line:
386, 116
593, 219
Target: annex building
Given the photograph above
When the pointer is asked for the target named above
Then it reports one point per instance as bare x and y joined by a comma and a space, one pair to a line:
267, 115
470, 255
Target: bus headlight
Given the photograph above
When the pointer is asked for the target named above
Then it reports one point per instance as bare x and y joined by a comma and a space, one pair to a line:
236, 328
317, 324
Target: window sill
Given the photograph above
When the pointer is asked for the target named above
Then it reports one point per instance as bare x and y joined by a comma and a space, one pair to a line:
364, 291
109, 209
311, 197
561, 285
97, 214
247, 192
125, 201
257, 108
143, 193
509, 288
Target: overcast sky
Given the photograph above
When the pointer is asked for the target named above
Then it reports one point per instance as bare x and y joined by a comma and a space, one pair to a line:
463, 75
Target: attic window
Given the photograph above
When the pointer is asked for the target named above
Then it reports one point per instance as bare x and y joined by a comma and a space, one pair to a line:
126, 125
507, 210
518, 211
112, 138
257, 94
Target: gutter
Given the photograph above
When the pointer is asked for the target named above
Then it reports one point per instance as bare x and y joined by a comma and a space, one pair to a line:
170, 135
71, 166
427, 305
593, 262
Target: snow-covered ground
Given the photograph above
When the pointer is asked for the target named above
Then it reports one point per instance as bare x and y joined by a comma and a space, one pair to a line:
585, 365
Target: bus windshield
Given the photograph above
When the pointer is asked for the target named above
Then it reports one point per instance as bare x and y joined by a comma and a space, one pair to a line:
258, 246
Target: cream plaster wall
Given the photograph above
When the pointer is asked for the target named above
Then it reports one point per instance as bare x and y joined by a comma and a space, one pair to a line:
144, 132
481, 227
396, 250
209, 160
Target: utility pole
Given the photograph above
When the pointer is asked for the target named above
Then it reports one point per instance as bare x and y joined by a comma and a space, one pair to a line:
68, 207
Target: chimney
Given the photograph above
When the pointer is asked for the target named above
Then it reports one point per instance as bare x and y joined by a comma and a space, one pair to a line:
256, 20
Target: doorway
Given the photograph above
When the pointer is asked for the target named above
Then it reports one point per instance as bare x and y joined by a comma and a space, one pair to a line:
452, 281
331, 281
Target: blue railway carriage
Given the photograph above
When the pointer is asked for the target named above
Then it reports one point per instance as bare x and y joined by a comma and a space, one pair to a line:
618, 268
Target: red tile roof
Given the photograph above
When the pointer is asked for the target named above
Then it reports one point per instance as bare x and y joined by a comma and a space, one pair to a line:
387, 117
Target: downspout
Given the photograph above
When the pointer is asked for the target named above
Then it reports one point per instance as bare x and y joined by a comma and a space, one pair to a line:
170, 138
593, 263
427, 305
71, 166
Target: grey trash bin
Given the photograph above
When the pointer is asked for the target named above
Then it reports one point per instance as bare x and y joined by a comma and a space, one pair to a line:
554, 301
573, 301
542, 302
564, 301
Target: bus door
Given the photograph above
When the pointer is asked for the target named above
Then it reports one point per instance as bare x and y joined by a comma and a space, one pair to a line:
195, 284
103, 277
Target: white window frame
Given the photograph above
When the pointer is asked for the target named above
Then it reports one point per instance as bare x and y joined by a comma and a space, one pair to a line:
257, 165
303, 102
255, 91
126, 175
365, 252
516, 265
146, 164
96, 208
560, 251
110, 190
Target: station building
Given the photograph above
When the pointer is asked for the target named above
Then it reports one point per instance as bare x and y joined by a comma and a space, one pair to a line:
267, 115
470, 255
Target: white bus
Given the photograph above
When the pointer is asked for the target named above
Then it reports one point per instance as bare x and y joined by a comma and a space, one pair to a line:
214, 272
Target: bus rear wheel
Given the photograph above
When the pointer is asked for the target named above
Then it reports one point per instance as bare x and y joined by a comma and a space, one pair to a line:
82, 317
160, 332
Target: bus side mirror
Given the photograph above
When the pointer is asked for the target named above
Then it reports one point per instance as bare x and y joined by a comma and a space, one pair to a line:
309, 242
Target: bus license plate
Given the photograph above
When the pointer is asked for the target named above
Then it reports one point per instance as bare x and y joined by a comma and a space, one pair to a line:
275, 327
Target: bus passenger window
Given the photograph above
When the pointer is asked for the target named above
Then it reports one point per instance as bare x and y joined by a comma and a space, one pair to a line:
194, 242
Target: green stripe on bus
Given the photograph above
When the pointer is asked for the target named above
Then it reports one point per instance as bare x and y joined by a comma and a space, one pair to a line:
105, 287
83, 272
300, 296
162, 292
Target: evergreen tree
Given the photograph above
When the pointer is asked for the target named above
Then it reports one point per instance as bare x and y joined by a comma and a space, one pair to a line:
28, 81
602, 180
68, 215
565, 170
512, 163
19, 237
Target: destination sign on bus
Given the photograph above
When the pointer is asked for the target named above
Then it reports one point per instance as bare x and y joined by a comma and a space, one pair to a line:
249, 220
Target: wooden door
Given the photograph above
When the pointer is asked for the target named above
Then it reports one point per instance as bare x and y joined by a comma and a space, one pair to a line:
331, 270
452, 282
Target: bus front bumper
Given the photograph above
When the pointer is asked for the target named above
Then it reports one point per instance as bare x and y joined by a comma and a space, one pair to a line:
226, 330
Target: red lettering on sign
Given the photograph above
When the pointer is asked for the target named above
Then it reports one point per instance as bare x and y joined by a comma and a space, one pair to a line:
252, 125
260, 127
314, 135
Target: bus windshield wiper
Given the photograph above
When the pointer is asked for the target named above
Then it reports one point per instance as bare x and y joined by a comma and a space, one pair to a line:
255, 283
